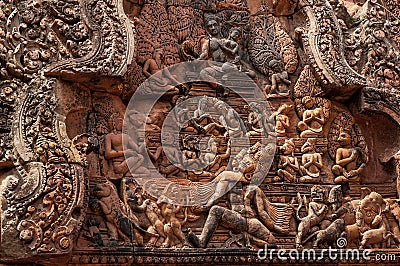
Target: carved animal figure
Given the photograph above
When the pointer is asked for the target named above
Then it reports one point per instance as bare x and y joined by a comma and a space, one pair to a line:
373, 237
328, 235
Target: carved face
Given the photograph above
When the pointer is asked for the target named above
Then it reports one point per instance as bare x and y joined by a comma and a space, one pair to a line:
344, 138
235, 34
247, 164
288, 147
317, 194
255, 148
12, 182
213, 27
308, 103
158, 55
213, 145
118, 124
203, 104
221, 107
308, 147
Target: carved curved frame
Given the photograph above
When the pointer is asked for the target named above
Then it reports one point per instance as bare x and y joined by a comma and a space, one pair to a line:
46, 209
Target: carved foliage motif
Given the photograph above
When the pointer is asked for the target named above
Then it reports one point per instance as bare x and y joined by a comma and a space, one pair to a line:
45, 193
323, 43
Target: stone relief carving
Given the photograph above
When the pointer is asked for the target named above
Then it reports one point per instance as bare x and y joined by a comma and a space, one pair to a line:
70, 191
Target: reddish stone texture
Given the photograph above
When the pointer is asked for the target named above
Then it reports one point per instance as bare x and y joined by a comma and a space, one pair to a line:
286, 121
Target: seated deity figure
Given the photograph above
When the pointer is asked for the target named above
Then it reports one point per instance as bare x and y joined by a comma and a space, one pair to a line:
202, 108
160, 158
282, 120
348, 165
313, 120
311, 162
259, 123
218, 48
288, 164
122, 160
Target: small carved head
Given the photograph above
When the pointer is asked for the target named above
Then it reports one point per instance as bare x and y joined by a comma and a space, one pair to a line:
203, 103
116, 122
285, 109
308, 102
221, 106
158, 53
288, 147
212, 145
26, 235
212, 25
309, 146
275, 64
10, 183
235, 33
344, 137
255, 148
318, 193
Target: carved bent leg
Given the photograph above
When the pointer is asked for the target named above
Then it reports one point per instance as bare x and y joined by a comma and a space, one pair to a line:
223, 180
220, 215
168, 233
258, 230
304, 229
138, 237
177, 232
309, 179
153, 239
112, 231
288, 177
338, 171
